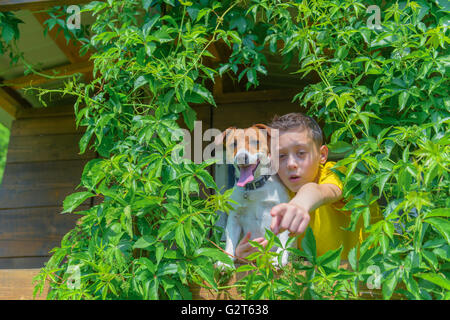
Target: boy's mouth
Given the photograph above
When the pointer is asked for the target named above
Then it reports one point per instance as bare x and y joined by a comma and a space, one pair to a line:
247, 174
294, 178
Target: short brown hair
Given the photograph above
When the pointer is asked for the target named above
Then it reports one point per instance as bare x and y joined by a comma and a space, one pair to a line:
298, 120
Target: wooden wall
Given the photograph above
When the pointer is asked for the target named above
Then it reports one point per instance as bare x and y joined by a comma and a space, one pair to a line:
243, 109
43, 167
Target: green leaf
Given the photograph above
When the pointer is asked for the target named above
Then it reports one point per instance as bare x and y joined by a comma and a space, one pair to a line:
180, 238
126, 221
148, 263
206, 271
177, 107
92, 173
389, 285
162, 35
258, 294
352, 259
206, 178
309, 245
144, 242
246, 267
441, 225
215, 254
147, 202
340, 147
7, 33
167, 268
84, 141
431, 258
153, 289
440, 212
140, 82
74, 200
189, 116
435, 278
204, 93
330, 259
402, 99
149, 25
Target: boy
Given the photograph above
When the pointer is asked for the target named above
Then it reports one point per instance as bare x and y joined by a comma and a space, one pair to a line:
315, 191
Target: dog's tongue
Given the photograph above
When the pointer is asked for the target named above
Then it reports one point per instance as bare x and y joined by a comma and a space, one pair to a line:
246, 175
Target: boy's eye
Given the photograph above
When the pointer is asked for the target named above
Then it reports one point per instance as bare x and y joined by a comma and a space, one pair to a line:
255, 143
301, 153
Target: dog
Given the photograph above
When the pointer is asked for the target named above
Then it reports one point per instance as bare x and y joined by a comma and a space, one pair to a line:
258, 189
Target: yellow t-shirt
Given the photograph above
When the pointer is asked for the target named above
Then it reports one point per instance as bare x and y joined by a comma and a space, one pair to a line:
327, 221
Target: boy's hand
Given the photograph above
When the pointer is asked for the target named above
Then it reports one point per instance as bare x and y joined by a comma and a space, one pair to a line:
288, 216
244, 249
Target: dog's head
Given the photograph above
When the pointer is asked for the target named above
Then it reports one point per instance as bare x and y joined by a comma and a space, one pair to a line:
248, 149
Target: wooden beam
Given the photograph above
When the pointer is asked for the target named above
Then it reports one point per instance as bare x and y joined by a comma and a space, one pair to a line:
71, 50
14, 5
35, 79
218, 86
17, 284
8, 103
254, 96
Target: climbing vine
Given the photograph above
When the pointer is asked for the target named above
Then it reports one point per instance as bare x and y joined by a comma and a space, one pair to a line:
382, 96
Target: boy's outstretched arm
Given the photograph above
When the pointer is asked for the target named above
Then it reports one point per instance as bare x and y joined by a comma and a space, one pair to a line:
294, 216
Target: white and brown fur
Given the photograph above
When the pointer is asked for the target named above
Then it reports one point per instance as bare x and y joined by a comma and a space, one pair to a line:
252, 214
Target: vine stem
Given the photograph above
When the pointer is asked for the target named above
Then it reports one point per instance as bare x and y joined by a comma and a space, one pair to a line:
220, 20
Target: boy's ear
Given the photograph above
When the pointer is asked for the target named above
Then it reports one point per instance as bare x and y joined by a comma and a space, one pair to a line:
323, 154
219, 139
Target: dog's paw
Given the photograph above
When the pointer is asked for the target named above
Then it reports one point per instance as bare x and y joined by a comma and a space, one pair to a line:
277, 265
223, 267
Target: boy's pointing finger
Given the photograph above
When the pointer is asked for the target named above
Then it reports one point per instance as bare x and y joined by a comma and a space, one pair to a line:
278, 209
277, 214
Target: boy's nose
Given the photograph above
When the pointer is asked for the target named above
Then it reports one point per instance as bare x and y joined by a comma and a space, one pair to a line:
291, 163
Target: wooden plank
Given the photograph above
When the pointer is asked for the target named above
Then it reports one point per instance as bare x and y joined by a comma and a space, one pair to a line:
33, 232
6, 119
57, 111
72, 49
23, 262
36, 79
253, 96
8, 103
243, 115
14, 5
36, 184
46, 148
18, 285
53, 125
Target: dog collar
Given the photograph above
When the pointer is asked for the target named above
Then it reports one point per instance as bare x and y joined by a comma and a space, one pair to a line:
256, 184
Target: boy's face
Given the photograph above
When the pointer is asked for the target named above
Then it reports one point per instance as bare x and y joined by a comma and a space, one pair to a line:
299, 158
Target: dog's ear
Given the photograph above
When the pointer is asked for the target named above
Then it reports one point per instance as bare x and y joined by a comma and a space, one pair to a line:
219, 139
268, 130
264, 127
